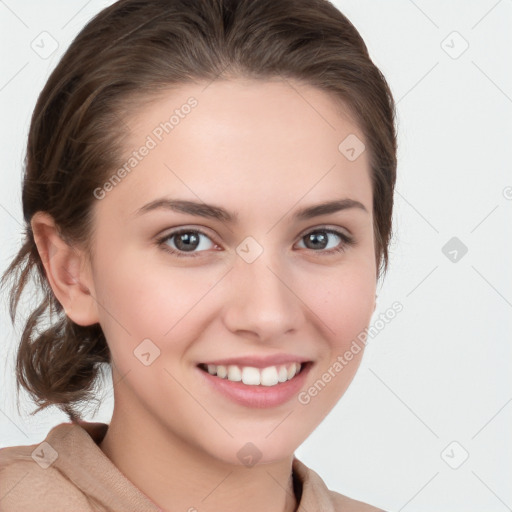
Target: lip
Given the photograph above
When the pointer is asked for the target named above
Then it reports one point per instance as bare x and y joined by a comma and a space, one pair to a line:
259, 361
257, 396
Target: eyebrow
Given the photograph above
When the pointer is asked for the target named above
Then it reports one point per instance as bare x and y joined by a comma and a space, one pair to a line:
216, 212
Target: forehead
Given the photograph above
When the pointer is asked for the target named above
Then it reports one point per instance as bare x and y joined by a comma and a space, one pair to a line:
241, 140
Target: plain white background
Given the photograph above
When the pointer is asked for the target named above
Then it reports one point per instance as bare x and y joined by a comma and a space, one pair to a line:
426, 422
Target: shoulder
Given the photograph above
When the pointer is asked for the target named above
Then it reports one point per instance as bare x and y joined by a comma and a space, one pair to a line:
347, 504
27, 484
317, 496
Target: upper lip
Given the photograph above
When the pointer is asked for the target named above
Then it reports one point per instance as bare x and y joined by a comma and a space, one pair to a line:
259, 361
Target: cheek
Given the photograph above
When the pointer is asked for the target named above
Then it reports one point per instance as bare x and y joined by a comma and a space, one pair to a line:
142, 298
344, 300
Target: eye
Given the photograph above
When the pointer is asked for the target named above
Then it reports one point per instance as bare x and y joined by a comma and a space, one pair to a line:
189, 242
185, 241
318, 240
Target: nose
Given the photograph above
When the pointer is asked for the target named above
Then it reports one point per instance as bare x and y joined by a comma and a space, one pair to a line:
262, 302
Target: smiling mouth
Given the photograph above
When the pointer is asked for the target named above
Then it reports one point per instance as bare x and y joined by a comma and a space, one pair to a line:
252, 376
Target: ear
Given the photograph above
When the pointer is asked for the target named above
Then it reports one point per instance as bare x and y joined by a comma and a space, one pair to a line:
67, 269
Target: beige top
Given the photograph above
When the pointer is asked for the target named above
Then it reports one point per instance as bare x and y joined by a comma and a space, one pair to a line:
69, 472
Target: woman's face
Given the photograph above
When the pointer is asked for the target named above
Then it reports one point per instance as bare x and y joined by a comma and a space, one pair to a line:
251, 280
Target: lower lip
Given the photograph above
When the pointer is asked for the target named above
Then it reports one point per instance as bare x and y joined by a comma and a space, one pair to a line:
258, 396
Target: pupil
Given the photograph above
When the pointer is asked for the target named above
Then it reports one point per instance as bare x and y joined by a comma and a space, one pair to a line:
189, 240
317, 237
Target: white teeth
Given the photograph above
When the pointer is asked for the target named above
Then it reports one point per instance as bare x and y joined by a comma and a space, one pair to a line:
251, 376
234, 373
292, 370
269, 376
282, 374
222, 371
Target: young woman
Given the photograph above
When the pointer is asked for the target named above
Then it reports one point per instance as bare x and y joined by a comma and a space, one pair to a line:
208, 196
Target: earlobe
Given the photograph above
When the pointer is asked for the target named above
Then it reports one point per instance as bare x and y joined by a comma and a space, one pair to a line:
64, 270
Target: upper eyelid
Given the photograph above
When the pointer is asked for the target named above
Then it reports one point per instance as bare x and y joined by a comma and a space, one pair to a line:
326, 227
186, 229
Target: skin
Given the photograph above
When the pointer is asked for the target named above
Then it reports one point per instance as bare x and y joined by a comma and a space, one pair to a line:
263, 150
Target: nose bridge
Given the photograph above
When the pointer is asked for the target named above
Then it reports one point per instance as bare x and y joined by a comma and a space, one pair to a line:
262, 298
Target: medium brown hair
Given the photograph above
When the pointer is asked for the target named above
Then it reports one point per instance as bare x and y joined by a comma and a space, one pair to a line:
126, 54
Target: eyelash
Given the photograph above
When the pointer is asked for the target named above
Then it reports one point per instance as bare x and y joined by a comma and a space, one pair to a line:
347, 241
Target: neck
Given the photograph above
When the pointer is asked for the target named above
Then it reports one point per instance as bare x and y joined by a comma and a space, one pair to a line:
178, 476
